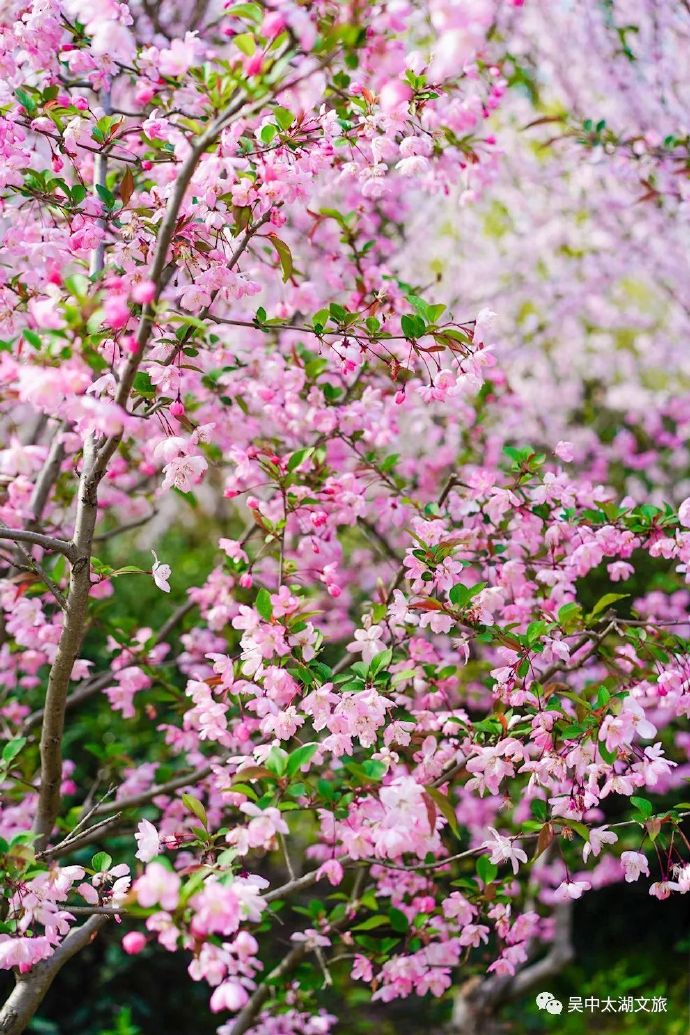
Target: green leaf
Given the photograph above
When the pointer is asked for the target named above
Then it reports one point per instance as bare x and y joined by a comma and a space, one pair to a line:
371, 923
268, 133
263, 604
486, 869
461, 595
412, 326
78, 193
320, 319
143, 385
277, 761
26, 100
606, 601
106, 196
283, 252
101, 862
12, 749
31, 337
608, 756
535, 631
579, 828
398, 920
370, 771
300, 756
643, 806
572, 731
245, 42
569, 615
488, 726
374, 768
244, 788
299, 457
445, 807
195, 807
380, 662
253, 12
283, 117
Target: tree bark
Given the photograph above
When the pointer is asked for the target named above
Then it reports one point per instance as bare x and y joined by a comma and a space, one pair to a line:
31, 988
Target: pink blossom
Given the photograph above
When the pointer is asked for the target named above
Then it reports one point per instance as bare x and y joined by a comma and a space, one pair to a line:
161, 573
179, 56
229, 996
184, 472
157, 886
571, 889
148, 841
504, 849
635, 864
564, 451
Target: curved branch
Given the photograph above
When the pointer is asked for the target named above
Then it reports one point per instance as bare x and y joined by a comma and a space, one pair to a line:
47, 542
31, 988
478, 1001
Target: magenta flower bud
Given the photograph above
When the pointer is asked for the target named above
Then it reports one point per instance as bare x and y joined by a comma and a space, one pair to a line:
272, 25
144, 94
254, 64
133, 942
116, 311
144, 292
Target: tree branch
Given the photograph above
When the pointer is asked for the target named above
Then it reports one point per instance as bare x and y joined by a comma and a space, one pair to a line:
47, 477
480, 999
97, 455
99, 682
162, 788
246, 1016
31, 988
47, 542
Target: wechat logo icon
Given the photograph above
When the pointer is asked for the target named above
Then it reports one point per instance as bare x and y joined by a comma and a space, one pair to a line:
548, 1002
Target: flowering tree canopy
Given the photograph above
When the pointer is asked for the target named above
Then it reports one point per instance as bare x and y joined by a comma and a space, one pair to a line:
376, 629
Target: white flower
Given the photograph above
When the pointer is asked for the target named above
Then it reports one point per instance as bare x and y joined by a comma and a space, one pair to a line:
503, 849
311, 938
161, 573
597, 837
634, 864
184, 472
368, 641
571, 889
147, 840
